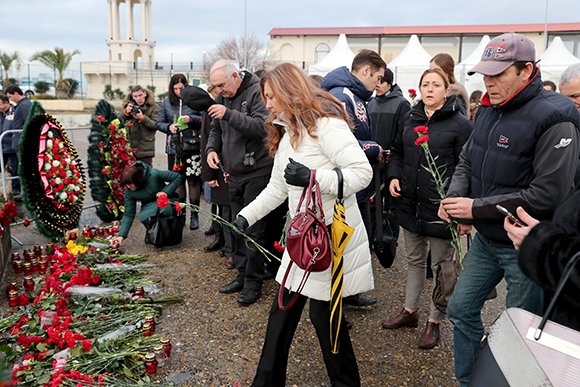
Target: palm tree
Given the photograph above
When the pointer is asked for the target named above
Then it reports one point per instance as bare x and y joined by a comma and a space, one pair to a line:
58, 60
7, 60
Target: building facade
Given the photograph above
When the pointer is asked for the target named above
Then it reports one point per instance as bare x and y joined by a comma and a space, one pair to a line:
306, 46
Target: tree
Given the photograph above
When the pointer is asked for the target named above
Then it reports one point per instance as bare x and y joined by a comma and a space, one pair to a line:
73, 87
41, 87
58, 60
7, 61
249, 52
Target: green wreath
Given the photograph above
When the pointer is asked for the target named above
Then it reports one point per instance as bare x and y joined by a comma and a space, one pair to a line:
51, 174
109, 153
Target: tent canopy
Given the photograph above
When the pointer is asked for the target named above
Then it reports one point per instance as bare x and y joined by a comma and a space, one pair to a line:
413, 55
340, 55
475, 81
557, 55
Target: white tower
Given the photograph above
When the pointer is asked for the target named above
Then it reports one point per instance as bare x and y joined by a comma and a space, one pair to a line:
129, 48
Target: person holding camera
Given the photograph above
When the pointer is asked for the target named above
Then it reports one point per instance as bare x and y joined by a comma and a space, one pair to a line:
140, 112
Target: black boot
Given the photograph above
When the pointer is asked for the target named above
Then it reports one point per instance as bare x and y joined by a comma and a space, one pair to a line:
214, 224
194, 220
217, 243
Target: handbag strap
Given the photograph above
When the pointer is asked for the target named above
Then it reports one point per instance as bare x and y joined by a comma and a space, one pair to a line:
307, 191
298, 291
568, 269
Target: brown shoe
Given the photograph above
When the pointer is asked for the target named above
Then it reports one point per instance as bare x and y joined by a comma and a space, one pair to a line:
430, 337
403, 319
230, 263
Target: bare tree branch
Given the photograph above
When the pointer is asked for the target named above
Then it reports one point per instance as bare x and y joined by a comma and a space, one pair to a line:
249, 53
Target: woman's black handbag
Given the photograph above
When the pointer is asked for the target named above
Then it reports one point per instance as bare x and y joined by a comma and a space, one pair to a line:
165, 230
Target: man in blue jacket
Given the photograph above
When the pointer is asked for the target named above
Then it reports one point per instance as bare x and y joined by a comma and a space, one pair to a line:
522, 152
354, 89
21, 108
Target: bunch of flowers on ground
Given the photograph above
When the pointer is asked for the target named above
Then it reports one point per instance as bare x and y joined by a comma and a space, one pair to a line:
84, 323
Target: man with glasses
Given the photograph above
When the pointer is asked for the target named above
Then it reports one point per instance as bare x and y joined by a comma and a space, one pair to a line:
238, 135
522, 152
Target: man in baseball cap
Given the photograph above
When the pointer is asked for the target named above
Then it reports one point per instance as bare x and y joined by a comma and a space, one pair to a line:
522, 153
502, 52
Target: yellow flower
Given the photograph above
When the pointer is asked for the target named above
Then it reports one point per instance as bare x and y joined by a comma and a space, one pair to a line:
75, 249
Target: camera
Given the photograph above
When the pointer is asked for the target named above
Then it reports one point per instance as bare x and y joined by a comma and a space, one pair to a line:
136, 109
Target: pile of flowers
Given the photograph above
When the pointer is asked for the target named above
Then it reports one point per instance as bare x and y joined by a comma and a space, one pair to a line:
7, 213
60, 173
82, 324
116, 154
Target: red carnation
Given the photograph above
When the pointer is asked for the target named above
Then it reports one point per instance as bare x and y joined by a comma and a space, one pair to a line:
162, 201
87, 345
26, 222
412, 93
421, 140
100, 118
421, 129
279, 248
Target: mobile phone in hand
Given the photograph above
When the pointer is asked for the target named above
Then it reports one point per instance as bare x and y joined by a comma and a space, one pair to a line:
510, 216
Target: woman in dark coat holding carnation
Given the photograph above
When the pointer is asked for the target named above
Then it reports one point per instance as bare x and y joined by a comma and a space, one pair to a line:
417, 198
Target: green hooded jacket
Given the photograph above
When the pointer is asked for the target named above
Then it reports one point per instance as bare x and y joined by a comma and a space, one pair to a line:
155, 181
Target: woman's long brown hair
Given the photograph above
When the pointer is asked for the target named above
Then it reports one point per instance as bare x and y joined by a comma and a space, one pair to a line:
302, 103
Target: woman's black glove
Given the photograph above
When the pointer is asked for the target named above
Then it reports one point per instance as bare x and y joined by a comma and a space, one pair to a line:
297, 174
240, 223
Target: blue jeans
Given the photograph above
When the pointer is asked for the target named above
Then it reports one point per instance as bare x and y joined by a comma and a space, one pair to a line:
483, 268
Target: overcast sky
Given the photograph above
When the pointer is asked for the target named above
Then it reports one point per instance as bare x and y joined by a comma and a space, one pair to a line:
187, 28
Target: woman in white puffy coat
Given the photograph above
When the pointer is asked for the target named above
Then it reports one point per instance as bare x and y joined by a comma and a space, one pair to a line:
309, 126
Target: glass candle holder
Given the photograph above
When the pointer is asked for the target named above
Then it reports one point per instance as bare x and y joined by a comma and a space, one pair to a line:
27, 268
17, 266
150, 363
28, 283
13, 298
166, 343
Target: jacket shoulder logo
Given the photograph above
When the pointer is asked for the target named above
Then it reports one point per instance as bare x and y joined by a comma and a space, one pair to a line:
564, 142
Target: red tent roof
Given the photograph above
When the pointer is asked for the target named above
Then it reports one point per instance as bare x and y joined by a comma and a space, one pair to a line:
431, 30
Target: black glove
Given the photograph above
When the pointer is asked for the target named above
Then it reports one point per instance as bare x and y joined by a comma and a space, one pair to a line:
240, 223
297, 174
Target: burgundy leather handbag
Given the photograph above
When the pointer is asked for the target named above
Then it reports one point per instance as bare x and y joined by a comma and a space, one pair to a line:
307, 239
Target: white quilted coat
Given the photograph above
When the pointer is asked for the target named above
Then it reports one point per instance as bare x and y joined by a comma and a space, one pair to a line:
335, 146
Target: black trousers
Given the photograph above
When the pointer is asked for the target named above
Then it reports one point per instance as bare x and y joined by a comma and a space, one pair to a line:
249, 260
342, 367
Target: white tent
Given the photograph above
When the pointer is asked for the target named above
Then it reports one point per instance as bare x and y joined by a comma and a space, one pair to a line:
555, 60
340, 55
475, 81
410, 64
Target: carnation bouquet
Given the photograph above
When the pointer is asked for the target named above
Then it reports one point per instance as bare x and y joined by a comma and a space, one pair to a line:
437, 173
109, 153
